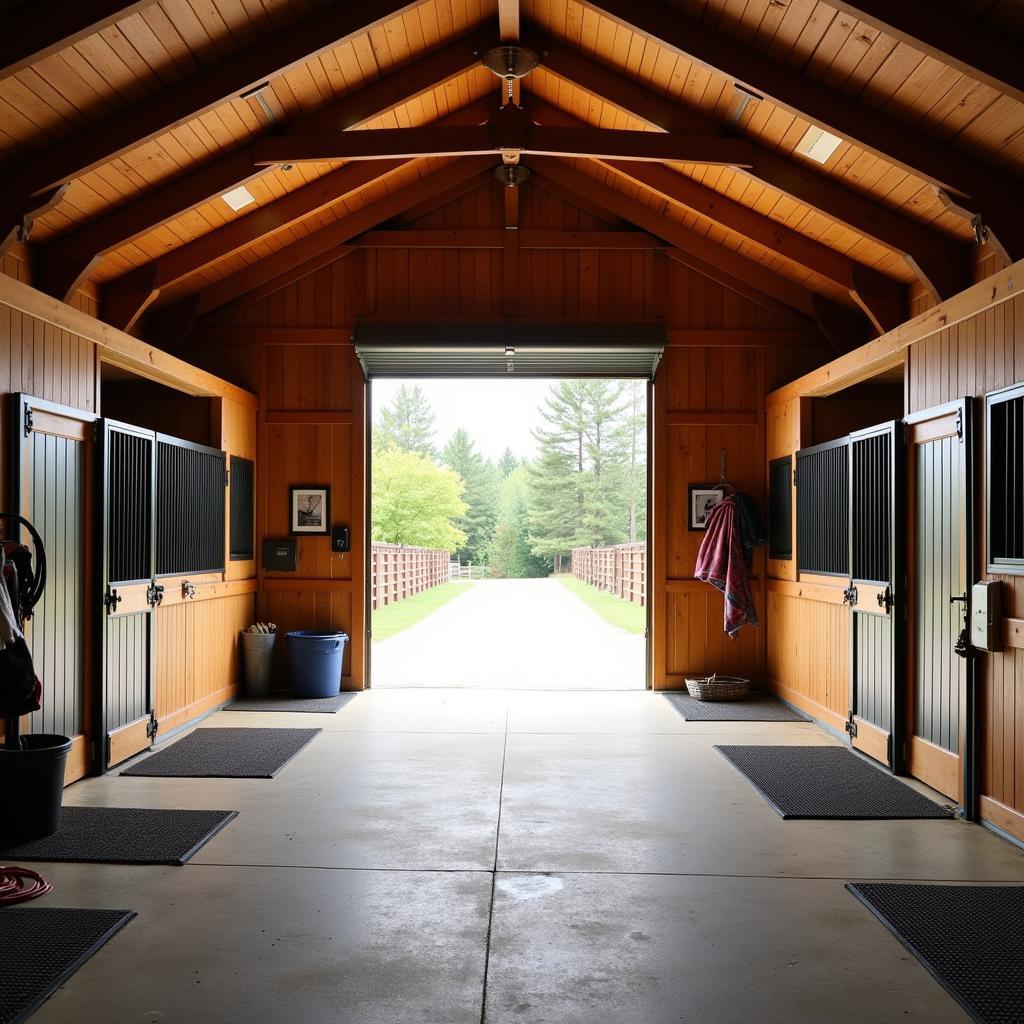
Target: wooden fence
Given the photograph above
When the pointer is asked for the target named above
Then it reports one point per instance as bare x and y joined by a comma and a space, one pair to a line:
398, 572
621, 570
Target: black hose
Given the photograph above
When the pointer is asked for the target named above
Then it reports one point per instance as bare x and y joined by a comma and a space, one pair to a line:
31, 599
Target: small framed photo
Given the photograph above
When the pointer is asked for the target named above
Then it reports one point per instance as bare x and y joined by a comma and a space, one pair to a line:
310, 510
702, 500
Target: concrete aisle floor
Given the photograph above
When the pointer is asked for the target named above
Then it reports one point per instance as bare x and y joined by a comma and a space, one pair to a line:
439, 857
516, 635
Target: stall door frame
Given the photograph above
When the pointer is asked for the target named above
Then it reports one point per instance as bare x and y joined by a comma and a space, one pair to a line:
874, 602
924, 759
116, 600
30, 416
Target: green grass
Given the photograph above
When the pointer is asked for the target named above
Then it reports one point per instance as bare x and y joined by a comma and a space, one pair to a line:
393, 618
624, 614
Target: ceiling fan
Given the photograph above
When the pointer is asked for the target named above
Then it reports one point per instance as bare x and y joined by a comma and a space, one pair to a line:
510, 132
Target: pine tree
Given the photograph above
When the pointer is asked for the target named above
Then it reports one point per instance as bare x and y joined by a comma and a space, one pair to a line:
407, 424
509, 553
477, 523
506, 464
605, 514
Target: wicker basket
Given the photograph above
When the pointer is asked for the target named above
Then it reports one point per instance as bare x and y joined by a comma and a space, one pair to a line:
717, 687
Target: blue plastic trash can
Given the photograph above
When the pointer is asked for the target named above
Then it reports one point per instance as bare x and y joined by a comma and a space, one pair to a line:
315, 657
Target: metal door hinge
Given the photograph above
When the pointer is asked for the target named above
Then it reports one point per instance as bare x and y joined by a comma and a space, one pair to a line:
28, 420
960, 424
885, 600
851, 725
850, 595
152, 726
111, 599
188, 590
154, 594
106, 753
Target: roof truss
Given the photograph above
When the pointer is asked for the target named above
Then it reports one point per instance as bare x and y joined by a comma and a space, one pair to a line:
985, 192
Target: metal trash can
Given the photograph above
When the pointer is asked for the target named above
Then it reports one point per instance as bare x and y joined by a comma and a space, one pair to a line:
258, 658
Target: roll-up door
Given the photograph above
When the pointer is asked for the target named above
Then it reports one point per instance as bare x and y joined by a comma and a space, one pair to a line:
509, 350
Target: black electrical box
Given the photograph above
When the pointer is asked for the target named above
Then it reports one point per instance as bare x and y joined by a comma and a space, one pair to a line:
340, 538
281, 555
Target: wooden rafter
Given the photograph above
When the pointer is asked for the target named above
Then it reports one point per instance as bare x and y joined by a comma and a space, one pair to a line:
508, 20
196, 94
882, 299
338, 235
939, 262
35, 206
64, 262
126, 297
38, 31
493, 238
958, 40
986, 191
729, 268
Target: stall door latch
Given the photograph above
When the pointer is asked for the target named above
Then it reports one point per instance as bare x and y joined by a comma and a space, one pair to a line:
885, 600
962, 646
111, 599
851, 725
152, 726
850, 595
154, 594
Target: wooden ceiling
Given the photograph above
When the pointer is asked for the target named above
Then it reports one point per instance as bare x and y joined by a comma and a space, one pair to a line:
122, 124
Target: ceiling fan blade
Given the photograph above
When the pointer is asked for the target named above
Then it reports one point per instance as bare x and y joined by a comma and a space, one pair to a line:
372, 144
608, 144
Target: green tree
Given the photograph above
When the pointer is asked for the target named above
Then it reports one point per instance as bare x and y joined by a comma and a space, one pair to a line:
506, 463
510, 555
480, 495
416, 502
407, 423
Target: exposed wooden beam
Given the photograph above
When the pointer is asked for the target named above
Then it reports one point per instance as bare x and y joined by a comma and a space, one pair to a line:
221, 81
883, 300
940, 262
34, 207
429, 141
494, 238
38, 30
126, 298
957, 39
337, 235
66, 261
986, 190
729, 268
510, 253
508, 20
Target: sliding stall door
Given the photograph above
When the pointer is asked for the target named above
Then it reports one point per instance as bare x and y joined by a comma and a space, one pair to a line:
128, 592
52, 481
875, 591
939, 495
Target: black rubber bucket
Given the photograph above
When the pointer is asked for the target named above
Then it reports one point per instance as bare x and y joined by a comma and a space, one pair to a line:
32, 788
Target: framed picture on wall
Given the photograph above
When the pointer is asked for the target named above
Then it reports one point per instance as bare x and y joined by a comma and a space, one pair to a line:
310, 509
703, 498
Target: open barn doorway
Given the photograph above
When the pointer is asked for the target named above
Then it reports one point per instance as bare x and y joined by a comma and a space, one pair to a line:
508, 528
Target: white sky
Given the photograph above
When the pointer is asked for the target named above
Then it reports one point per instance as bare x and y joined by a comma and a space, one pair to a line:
496, 413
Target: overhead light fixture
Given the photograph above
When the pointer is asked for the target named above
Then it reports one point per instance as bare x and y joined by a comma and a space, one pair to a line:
238, 198
510, 62
818, 144
511, 175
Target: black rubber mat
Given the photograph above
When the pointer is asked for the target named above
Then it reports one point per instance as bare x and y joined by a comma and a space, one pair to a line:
225, 754
41, 947
969, 937
827, 782
753, 709
286, 702
125, 835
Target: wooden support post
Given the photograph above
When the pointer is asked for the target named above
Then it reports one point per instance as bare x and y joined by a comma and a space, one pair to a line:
510, 249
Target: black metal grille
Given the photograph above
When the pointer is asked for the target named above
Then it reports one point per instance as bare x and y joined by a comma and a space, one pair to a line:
822, 512
130, 502
780, 508
872, 507
1005, 475
190, 508
241, 509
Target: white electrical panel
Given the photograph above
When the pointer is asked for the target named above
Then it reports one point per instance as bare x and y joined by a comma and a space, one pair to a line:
987, 616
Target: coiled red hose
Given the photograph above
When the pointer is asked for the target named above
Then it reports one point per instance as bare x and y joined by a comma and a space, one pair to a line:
19, 885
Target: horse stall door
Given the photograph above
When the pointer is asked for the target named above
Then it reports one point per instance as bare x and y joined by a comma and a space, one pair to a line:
52, 466
128, 593
939, 541
876, 607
